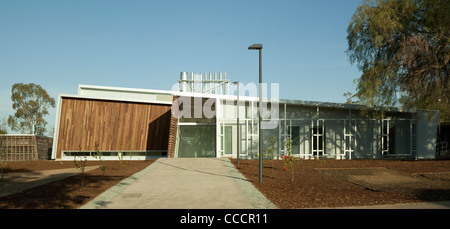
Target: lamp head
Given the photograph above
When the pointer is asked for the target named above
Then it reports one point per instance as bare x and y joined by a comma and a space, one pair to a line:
256, 46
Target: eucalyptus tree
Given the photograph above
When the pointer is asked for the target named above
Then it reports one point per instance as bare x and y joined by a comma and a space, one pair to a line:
402, 49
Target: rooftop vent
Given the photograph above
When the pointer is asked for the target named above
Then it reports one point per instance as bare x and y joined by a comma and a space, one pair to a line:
207, 83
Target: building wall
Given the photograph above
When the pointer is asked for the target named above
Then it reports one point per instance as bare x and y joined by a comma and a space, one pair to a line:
172, 131
365, 129
25, 147
427, 134
126, 94
44, 147
141, 120
188, 139
135, 126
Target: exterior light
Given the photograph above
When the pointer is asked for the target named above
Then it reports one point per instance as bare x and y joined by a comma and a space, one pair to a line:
259, 48
238, 129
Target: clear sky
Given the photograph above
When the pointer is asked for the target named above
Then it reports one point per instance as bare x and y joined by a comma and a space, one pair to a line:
60, 44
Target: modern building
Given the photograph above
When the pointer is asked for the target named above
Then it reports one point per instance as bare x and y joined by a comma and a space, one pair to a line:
199, 119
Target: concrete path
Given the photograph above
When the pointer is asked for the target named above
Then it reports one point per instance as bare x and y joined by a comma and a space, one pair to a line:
184, 183
18, 182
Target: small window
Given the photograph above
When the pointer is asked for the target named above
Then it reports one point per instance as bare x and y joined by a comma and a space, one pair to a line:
132, 154
109, 154
77, 154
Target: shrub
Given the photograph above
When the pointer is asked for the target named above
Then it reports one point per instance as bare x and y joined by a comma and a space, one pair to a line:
289, 160
98, 156
271, 150
80, 166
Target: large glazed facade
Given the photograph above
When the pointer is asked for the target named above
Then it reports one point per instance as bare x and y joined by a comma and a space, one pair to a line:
144, 124
327, 130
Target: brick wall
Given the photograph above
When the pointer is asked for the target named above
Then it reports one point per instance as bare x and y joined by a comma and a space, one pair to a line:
172, 131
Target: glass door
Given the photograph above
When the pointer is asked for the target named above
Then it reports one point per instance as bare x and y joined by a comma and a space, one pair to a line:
226, 140
196, 141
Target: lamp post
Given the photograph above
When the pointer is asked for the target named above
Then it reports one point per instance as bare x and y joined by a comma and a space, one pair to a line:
238, 129
259, 47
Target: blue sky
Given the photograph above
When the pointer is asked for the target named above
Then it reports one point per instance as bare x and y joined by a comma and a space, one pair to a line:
146, 44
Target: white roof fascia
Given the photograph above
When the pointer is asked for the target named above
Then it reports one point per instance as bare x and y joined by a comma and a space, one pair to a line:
228, 97
314, 103
216, 96
114, 99
122, 89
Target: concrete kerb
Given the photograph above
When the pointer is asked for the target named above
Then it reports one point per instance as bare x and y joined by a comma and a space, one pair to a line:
255, 197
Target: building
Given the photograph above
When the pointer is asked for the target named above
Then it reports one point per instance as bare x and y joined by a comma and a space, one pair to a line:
199, 119
442, 148
25, 147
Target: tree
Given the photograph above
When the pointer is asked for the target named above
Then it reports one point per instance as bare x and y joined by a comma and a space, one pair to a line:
402, 49
31, 103
3, 126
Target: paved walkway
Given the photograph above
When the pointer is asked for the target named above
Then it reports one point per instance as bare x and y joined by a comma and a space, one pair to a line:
183, 183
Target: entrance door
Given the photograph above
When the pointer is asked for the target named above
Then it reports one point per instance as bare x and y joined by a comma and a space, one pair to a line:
196, 141
226, 141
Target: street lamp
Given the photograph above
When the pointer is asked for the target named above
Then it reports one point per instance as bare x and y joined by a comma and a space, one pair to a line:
238, 129
259, 47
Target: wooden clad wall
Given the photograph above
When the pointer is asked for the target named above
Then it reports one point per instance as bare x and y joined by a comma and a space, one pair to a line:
137, 126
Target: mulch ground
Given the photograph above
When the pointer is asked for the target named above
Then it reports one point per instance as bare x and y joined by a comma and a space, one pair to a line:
311, 188
68, 193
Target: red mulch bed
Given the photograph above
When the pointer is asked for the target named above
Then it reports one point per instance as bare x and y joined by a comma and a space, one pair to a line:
312, 189
68, 193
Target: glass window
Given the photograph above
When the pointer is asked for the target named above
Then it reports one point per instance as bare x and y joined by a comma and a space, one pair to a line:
228, 140
318, 140
413, 137
295, 139
78, 154
197, 141
109, 153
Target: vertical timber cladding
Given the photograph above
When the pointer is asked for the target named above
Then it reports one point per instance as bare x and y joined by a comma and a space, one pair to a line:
135, 126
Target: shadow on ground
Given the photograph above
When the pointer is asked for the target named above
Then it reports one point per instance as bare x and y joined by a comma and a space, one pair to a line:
61, 194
